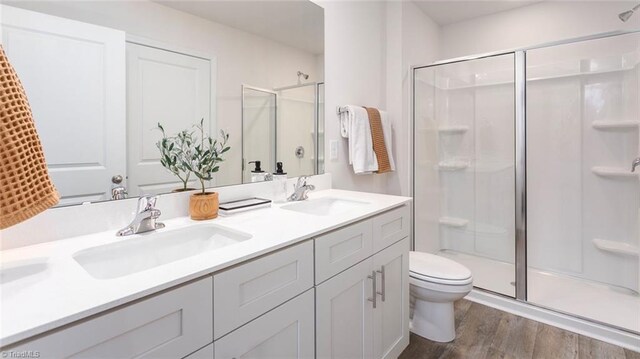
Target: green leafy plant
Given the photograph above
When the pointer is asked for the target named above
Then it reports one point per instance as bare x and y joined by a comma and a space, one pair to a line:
175, 154
207, 155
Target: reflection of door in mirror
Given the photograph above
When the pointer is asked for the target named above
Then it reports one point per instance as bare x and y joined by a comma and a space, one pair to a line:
297, 129
74, 76
164, 87
258, 130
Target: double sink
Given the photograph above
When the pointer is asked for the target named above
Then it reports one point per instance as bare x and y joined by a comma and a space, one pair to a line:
162, 247
153, 249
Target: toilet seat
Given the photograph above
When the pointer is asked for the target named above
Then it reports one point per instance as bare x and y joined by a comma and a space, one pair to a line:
436, 269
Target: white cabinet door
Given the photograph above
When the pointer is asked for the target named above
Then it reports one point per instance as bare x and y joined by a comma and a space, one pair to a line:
391, 317
345, 314
169, 325
74, 76
285, 332
164, 87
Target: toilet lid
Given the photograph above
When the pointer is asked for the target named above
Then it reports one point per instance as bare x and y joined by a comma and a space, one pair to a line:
426, 266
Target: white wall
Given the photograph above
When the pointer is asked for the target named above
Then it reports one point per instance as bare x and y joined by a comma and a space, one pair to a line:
355, 71
242, 58
369, 48
534, 24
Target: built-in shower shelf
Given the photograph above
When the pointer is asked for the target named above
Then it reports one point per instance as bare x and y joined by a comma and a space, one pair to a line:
616, 247
453, 165
615, 125
453, 222
614, 172
452, 130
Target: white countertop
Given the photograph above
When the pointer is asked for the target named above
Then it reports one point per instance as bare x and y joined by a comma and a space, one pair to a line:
60, 291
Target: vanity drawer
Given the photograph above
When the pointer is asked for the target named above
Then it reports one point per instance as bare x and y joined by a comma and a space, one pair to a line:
168, 325
285, 332
249, 290
340, 249
390, 227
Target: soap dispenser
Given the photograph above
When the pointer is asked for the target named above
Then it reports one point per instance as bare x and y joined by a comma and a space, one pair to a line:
257, 175
279, 184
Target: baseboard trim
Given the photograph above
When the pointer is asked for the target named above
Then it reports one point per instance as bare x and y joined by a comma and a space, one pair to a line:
593, 330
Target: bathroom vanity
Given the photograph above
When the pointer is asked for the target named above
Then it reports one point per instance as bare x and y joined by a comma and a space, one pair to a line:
326, 277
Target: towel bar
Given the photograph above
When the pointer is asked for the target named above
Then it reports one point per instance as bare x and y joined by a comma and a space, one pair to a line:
341, 109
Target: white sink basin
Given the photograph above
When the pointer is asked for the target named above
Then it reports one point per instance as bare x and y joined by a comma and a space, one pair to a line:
325, 206
141, 252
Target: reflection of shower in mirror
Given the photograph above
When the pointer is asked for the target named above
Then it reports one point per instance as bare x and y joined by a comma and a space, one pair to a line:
303, 75
624, 16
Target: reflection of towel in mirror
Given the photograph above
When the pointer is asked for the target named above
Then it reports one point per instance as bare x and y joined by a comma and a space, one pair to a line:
25, 186
355, 125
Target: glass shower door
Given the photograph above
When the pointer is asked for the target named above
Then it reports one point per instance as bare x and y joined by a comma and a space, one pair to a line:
297, 106
464, 166
258, 130
582, 198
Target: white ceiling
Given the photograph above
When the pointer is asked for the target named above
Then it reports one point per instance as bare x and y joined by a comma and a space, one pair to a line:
447, 12
297, 23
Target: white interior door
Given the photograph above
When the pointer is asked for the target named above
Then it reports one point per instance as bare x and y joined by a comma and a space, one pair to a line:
164, 87
74, 76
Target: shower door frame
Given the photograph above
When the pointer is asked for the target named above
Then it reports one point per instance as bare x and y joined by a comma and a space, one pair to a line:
520, 119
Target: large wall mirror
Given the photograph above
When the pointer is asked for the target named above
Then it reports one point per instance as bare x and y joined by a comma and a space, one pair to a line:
101, 75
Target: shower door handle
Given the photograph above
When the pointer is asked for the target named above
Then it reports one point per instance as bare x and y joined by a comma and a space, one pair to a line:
635, 164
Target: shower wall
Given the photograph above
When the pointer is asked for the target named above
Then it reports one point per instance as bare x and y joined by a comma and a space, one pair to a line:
297, 129
582, 135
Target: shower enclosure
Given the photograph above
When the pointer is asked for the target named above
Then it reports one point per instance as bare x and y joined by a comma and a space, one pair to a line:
523, 173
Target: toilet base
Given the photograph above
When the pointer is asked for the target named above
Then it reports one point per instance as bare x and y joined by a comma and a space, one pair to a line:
434, 321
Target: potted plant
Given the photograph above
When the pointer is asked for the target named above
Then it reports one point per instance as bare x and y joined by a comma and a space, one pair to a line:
175, 154
204, 161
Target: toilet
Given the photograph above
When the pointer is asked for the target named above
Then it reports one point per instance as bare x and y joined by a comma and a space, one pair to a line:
436, 282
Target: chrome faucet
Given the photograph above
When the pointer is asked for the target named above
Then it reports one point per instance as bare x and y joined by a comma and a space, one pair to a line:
301, 189
145, 219
635, 164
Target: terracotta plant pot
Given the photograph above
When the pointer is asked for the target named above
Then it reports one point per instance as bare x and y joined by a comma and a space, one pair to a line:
203, 206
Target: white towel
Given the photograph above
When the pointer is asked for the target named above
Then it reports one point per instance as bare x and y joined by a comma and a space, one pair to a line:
361, 154
354, 125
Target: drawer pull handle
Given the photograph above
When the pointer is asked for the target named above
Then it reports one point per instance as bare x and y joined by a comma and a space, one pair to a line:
373, 280
382, 277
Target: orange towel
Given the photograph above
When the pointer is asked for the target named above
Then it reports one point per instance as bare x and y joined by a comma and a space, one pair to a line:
25, 186
377, 135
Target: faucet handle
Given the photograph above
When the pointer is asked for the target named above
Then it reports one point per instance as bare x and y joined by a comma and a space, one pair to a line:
146, 203
302, 181
151, 202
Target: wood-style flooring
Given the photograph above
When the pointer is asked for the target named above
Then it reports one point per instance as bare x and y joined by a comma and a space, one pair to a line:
484, 332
